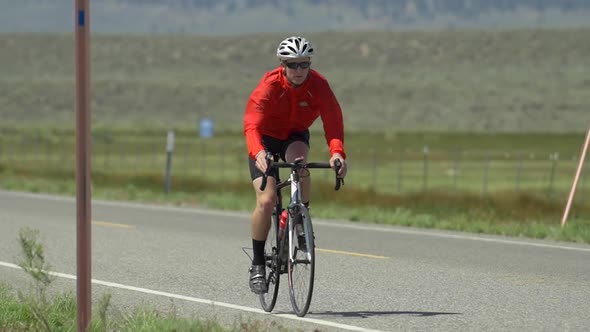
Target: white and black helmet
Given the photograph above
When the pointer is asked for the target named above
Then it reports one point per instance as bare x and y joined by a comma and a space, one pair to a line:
294, 47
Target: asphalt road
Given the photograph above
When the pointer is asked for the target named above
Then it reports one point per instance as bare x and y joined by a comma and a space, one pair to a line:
368, 277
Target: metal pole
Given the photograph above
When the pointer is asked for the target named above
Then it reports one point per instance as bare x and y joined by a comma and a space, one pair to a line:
169, 150
83, 161
576, 178
203, 158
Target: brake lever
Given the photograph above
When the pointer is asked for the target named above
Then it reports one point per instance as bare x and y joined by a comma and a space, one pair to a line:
339, 180
265, 175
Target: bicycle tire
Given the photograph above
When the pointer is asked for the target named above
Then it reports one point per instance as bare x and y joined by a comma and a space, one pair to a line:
301, 267
271, 257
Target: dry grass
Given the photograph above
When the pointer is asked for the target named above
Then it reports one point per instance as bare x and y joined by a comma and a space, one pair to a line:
446, 80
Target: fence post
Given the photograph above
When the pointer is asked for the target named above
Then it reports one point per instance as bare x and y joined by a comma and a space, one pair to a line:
519, 171
137, 157
203, 158
425, 169
400, 169
553, 157
65, 152
582, 195
124, 156
48, 152
239, 162
456, 166
486, 170
185, 164
169, 150
154, 156
374, 171
222, 149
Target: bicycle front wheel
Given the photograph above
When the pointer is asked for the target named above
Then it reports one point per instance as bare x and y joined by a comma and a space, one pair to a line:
301, 265
271, 257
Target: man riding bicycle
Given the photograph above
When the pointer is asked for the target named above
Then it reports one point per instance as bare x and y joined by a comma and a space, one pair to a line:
279, 112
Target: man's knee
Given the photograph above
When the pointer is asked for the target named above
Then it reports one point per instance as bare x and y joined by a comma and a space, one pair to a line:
297, 149
266, 202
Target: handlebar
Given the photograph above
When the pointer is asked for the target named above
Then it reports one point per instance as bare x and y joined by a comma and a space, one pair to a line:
300, 165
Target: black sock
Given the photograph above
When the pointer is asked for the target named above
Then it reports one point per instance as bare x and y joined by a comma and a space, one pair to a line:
258, 251
306, 204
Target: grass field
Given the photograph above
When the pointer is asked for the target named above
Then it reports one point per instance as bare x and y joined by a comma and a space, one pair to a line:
494, 81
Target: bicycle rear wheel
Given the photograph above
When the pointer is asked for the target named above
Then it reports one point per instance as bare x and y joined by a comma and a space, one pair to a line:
301, 266
271, 257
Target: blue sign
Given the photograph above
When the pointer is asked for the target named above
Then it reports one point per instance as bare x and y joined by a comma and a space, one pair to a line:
206, 128
81, 18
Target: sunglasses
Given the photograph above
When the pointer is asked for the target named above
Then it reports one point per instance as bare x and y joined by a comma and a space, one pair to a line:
295, 65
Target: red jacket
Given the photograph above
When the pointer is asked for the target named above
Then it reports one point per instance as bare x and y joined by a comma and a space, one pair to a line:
277, 109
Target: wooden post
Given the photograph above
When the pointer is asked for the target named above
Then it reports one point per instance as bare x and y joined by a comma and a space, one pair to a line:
576, 178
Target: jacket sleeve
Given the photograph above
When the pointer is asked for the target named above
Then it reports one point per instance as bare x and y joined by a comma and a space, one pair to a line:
253, 118
333, 122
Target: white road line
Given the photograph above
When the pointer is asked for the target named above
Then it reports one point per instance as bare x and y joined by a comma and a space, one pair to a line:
453, 236
204, 301
317, 221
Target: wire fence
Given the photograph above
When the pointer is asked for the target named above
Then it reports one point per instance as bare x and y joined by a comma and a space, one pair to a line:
390, 170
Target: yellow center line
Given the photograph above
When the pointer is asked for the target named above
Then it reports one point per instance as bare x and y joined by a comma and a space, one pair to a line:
115, 225
350, 253
110, 224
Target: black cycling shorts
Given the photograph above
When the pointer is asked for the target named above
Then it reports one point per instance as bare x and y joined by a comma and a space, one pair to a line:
278, 148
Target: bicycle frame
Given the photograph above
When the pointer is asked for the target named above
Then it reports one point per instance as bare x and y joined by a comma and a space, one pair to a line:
294, 208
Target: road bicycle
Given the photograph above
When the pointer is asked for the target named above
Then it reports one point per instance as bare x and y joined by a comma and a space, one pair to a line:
291, 249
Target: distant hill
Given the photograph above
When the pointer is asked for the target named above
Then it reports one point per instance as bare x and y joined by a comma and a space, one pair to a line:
214, 17
521, 80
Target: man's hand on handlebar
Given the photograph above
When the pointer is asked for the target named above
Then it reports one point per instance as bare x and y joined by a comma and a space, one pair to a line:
263, 160
342, 166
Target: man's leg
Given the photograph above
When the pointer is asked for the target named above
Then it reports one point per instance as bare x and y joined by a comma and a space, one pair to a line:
265, 202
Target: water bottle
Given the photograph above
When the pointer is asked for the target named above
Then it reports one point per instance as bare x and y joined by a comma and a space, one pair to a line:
283, 223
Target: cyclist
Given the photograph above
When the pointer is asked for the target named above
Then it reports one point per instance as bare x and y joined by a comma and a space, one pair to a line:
277, 118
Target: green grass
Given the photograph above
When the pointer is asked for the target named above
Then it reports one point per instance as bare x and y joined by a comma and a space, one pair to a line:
16, 315
35, 309
476, 182
527, 214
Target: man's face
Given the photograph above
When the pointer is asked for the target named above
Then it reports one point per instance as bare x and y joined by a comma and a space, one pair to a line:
296, 70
